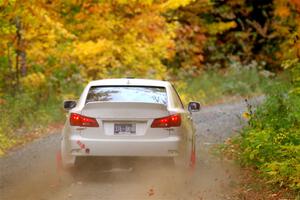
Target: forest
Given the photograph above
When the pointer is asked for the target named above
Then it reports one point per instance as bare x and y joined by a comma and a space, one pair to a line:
210, 49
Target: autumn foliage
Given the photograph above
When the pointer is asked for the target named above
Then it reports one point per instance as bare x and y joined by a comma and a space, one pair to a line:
93, 40
102, 39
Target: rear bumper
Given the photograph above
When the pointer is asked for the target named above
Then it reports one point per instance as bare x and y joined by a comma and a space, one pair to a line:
162, 147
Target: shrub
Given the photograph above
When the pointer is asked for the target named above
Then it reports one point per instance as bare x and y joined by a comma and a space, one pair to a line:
272, 141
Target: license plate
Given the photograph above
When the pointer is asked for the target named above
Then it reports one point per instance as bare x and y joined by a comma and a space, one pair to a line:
124, 129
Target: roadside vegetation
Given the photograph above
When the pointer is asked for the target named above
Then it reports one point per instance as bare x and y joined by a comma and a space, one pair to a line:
234, 83
212, 50
270, 144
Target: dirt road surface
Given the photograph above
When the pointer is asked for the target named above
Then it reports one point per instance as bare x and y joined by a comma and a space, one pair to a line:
31, 173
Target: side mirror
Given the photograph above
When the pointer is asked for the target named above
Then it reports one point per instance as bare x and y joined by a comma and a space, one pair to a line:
194, 106
69, 104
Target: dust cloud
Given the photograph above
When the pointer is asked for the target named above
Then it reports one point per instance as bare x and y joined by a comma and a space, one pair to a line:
31, 173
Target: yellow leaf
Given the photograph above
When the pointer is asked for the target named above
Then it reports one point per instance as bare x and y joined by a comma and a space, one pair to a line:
246, 115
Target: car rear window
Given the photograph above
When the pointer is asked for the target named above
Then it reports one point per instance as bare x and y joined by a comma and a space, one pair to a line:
147, 94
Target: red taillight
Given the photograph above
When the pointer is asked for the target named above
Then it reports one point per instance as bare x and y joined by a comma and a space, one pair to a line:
167, 122
80, 120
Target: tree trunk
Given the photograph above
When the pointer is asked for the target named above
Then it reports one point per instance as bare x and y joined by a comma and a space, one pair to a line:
10, 75
20, 51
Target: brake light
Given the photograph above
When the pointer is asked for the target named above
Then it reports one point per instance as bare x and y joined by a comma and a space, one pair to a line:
167, 122
80, 120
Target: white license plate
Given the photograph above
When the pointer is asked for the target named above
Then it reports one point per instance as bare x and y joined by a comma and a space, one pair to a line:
124, 129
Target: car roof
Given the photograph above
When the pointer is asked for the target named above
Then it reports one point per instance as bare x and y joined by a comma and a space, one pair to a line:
130, 81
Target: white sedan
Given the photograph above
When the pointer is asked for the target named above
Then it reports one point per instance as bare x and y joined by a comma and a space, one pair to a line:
129, 117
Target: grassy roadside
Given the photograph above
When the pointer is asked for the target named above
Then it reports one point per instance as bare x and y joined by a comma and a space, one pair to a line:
24, 119
213, 87
30, 113
270, 145
253, 187
27, 115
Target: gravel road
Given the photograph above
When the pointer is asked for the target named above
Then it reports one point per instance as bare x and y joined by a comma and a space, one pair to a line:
31, 173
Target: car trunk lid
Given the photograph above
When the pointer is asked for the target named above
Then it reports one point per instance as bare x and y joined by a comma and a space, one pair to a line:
124, 119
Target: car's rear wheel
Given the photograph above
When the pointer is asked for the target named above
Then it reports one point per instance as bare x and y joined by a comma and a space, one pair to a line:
187, 159
185, 165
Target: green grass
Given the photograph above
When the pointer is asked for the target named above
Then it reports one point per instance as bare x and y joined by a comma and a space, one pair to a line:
271, 142
214, 86
23, 113
28, 111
